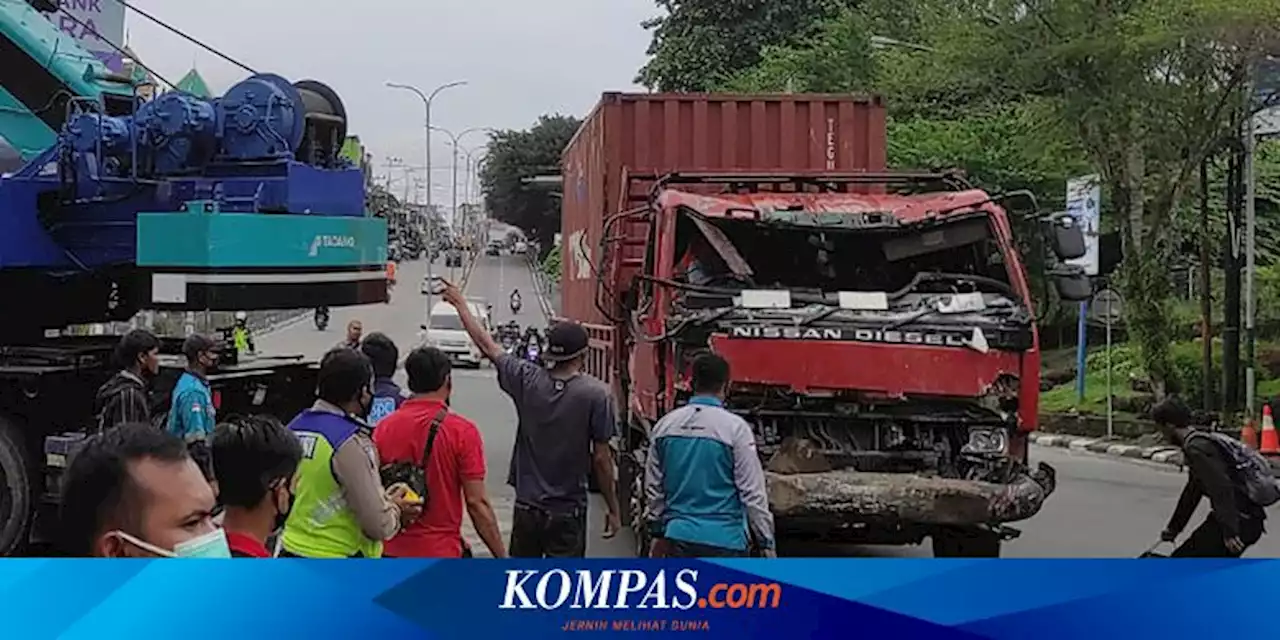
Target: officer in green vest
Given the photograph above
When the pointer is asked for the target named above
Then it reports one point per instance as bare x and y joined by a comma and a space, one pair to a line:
341, 509
241, 335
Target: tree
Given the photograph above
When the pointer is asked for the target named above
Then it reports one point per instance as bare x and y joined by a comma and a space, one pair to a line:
836, 57
701, 44
515, 156
1150, 87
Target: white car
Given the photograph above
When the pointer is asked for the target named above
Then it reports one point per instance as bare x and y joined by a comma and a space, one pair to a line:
521, 248
444, 331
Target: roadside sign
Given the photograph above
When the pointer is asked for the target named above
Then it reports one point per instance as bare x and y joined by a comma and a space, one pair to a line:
1107, 305
1266, 89
1084, 202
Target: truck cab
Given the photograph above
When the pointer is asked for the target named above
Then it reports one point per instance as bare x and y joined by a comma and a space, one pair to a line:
882, 342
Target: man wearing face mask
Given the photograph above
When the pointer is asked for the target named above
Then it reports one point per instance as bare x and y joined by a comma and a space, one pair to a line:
341, 510
123, 399
133, 491
191, 412
254, 460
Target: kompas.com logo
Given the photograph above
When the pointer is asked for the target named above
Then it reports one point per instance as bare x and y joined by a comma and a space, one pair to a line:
631, 589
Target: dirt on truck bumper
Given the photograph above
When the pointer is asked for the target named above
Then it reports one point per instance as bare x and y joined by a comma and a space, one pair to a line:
852, 496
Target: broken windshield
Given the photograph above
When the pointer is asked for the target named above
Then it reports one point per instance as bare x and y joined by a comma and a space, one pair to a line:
830, 259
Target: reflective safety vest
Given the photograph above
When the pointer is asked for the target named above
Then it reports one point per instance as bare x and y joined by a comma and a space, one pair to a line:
241, 337
320, 524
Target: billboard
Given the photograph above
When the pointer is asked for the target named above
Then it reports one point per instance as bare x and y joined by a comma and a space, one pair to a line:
1084, 202
98, 25
1267, 94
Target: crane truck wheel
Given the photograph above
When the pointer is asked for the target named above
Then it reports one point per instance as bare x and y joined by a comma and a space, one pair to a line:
16, 498
965, 543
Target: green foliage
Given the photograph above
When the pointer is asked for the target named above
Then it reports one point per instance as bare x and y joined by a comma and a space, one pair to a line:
1150, 89
700, 44
517, 155
834, 59
551, 264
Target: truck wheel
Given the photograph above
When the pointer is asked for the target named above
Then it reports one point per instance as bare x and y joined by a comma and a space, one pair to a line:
631, 499
15, 491
965, 543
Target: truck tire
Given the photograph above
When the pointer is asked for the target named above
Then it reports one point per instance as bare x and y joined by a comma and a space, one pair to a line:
965, 543
16, 497
631, 499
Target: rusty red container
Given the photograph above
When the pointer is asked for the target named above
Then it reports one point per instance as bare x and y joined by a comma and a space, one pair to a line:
628, 134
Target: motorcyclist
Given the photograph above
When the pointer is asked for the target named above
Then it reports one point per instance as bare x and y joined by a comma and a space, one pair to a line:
241, 335
509, 334
532, 337
515, 301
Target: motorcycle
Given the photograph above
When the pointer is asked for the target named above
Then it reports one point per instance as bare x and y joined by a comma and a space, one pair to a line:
515, 305
322, 318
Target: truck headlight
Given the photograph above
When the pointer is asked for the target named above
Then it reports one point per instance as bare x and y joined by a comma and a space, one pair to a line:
986, 441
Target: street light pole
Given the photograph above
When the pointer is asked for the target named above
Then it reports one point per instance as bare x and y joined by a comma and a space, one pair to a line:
456, 140
426, 106
471, 170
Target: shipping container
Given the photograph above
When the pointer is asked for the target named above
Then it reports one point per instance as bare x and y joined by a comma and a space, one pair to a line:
656, 134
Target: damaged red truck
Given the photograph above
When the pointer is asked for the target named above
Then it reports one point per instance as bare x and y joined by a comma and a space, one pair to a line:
878, 325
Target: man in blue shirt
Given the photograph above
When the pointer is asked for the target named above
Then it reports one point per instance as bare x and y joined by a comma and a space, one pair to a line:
387, 395
191, 413
704, 481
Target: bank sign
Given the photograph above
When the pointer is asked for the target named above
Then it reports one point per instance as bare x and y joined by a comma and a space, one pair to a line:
98, 25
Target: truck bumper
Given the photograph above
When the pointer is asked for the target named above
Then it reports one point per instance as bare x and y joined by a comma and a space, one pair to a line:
845, 496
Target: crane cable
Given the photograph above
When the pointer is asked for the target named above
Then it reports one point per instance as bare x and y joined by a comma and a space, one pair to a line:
191, 39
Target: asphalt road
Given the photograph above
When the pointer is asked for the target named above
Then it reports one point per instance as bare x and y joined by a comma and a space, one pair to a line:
1103, 507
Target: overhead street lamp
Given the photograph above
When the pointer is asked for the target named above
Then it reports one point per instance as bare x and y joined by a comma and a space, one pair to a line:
473, 167
427, 99
456, 140
426, 105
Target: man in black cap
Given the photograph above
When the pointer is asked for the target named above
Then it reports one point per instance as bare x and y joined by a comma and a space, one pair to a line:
191, 412
566, 419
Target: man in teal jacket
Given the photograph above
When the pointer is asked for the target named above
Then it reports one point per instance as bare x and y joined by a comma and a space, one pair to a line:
191, 413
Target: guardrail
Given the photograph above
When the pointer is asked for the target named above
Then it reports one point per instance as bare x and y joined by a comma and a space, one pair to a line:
541, 286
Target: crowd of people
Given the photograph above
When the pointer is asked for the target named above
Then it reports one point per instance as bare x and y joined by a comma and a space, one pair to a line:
332, 482
373, 470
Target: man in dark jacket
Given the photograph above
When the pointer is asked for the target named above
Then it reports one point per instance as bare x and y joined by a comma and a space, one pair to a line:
1235, 522
123, 398
385, 357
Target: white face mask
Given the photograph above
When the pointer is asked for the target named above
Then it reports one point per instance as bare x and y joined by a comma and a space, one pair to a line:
209, 545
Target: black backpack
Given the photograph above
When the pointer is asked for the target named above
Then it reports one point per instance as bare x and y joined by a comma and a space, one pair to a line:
1251, 469
410, 473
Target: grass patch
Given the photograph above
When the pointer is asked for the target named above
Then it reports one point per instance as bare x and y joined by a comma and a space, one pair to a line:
1063, 399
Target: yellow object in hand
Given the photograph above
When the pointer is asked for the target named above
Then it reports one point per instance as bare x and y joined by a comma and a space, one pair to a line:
412, 496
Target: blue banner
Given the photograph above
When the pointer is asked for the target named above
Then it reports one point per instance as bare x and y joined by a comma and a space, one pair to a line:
740, 599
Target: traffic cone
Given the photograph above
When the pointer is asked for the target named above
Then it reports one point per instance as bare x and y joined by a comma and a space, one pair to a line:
1270, 443
1249, 435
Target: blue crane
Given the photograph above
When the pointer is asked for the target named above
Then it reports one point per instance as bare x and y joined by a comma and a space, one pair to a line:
240, 202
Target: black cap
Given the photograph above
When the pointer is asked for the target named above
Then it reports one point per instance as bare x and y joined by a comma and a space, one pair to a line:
565, 341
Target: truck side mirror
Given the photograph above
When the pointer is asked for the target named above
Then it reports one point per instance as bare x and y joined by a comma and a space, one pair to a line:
1071, 283
1065, 236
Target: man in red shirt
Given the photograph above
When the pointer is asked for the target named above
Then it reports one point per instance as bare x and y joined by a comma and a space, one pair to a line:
254, 460
454, 470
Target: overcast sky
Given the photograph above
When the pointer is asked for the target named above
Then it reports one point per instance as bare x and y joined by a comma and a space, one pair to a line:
521, 58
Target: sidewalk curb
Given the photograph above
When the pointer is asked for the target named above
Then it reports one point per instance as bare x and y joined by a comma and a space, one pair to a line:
1164, 455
